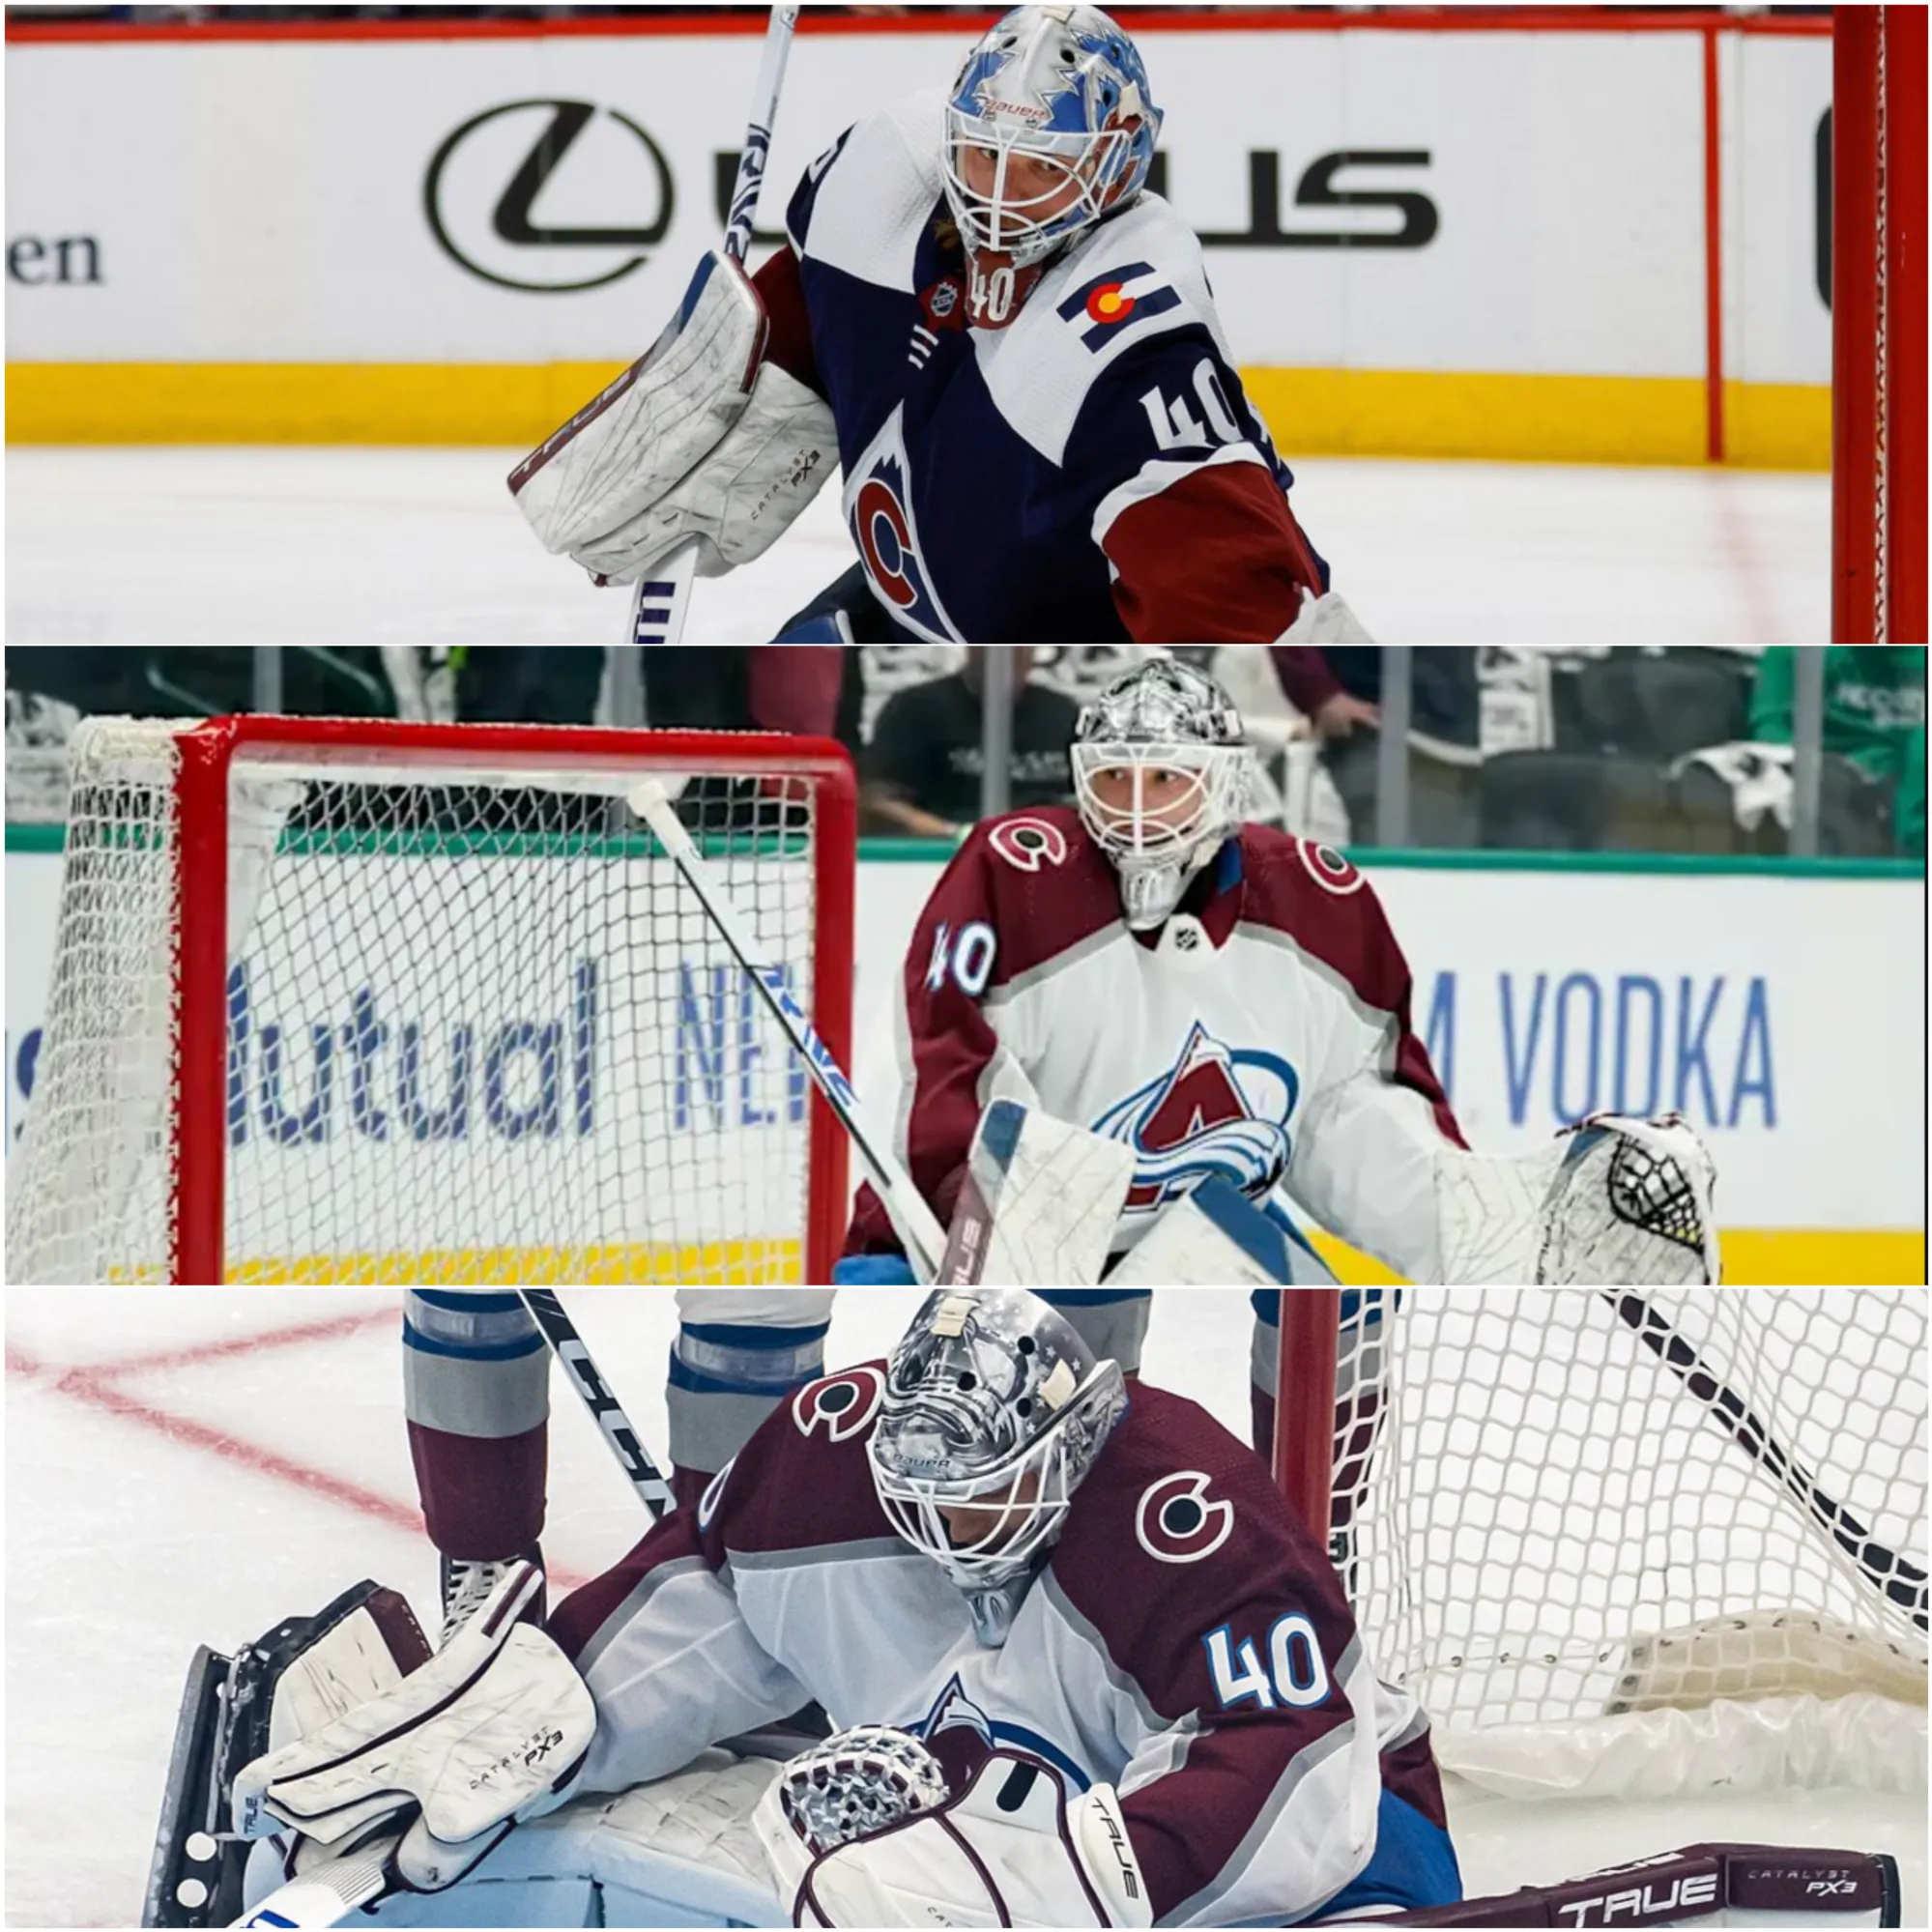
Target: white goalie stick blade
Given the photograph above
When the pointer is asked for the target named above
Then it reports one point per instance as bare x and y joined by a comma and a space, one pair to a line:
1039, 1206
1216, 1238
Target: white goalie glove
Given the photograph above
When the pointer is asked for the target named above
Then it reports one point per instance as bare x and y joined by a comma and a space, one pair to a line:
1325, 620
1615, 1202
698, 437
1012, 1849
853, 1783
492, 1729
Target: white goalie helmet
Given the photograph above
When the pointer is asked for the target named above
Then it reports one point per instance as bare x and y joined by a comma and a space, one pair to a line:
1061, 95
993, 1405
1162, 775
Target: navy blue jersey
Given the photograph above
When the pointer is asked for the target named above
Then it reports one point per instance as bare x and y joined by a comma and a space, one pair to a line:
1089, 472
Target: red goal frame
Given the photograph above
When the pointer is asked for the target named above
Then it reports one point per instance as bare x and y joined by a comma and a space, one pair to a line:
1878, 325
201, 792
1304, 1455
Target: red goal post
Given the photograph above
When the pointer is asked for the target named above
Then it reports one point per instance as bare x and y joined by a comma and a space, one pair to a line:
1878, 325
360, 1000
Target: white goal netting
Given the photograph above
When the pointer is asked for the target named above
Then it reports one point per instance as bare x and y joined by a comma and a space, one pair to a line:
1572, 1516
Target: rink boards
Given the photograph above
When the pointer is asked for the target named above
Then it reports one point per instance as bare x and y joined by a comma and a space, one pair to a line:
1779, 1008
1591, 237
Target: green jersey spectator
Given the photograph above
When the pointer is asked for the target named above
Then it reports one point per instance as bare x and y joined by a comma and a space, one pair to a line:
1874, 701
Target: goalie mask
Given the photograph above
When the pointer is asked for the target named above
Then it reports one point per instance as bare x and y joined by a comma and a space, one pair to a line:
1049, 128
994, 1410
1161, 774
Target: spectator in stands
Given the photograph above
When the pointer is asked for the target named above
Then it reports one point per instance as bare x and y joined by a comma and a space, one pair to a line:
1874, 701
771, 687
1339, 689
924, 766
1910, 807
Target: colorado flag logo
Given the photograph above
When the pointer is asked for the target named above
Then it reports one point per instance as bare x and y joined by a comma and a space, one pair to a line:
1116, 300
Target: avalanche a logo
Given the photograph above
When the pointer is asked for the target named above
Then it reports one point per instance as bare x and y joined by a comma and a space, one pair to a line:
1218, 1110
879, 509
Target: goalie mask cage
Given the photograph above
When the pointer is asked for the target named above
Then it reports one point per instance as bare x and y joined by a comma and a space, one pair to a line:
344, 1000
1627, 1542
1878, 325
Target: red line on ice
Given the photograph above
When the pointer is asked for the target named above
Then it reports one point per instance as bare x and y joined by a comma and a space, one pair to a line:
328, 1330
91, 1386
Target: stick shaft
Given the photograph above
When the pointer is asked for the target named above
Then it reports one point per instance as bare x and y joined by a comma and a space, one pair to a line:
757, 134
597, 1395
917, 1225
659, 607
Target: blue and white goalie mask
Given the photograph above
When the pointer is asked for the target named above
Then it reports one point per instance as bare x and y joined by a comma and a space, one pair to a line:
1048, 127
1162, 775
994, 1411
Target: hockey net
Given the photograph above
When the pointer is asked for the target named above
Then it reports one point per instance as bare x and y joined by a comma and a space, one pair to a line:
336, 1000
1628, 1541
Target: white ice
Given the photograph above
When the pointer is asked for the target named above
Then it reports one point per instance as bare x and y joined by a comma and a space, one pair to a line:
161, 1505
338, 546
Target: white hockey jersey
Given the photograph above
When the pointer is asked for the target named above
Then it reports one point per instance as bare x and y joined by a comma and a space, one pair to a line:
1185, 1641
1262, 1034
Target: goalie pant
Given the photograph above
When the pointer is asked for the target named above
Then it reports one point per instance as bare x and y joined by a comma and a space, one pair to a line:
1185, 1642
1261, 1034
476, 1393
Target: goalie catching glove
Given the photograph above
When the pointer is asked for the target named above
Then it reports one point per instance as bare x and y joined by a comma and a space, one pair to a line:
860, 1831
1615, 1201
492, 1729
700, 437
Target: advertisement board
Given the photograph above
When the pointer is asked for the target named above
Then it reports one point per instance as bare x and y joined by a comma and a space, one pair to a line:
1435, 234
1781, 1009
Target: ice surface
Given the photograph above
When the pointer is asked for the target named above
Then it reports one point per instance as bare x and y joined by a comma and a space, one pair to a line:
335, 546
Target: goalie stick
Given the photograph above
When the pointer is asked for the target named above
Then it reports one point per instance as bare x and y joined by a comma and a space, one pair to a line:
658, 607
917, 1225
1895, 1578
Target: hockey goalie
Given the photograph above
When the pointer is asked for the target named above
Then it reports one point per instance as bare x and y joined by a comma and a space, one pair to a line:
1088, 1670
1226, 1006
1076, 1663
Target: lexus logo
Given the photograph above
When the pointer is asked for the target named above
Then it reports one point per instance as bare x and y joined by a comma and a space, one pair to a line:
616, 170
